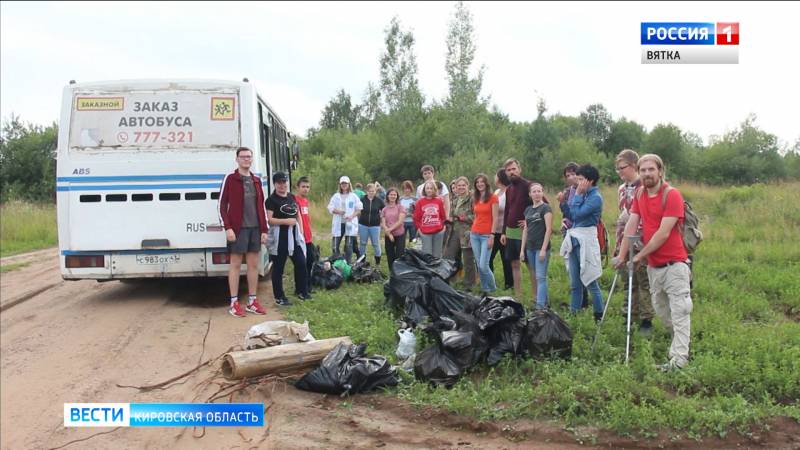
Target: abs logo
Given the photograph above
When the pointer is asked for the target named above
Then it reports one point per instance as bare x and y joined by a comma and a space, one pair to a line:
690, 42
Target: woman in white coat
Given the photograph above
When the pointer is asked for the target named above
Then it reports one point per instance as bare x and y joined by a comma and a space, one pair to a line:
345, 206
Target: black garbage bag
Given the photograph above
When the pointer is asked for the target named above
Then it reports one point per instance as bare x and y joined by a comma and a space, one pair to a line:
443, 300
414, 259
436, 365
494, 310
346, 369
414, 312
505, 337
460, 345
478, 345
547, 336
327, 278
364, 273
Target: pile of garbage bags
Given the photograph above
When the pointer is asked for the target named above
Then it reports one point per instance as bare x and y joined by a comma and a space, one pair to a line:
330, 273
466, 330
418, 286
325, 275
497, 327
347, 370
362, 272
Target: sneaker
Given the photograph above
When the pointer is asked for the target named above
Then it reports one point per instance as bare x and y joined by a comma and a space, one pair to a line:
304, 297
282, 301
236, 310
255, 308
668, 366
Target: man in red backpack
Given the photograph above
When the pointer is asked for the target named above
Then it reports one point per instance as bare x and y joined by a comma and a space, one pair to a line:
660, 209
641, 307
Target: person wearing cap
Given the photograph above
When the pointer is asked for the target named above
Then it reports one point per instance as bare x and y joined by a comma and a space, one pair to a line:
345, 206
285, 239
241, 211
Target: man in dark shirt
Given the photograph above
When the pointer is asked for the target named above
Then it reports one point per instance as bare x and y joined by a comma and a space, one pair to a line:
285, 239
514, 219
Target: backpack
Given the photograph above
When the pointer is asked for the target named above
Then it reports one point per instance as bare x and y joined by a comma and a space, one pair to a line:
602, 238
689, 227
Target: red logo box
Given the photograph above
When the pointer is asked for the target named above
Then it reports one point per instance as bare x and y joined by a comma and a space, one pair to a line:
727, 33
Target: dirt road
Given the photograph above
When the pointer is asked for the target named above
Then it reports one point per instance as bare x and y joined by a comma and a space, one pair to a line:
75, 341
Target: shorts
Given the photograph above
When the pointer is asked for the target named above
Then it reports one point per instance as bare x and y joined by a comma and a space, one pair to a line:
247, 241
513, 247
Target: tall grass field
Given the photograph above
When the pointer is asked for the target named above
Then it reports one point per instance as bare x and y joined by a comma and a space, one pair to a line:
26, 227
745, 343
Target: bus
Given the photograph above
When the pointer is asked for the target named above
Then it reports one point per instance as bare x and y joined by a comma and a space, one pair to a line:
139, 169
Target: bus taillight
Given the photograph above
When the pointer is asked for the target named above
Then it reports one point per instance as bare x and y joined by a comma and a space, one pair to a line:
220, 258
74, 261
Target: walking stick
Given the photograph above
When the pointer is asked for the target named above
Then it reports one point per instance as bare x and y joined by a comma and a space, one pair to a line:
632, 240
611, 291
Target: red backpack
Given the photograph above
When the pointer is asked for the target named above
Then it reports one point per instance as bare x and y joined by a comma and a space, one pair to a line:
602, 238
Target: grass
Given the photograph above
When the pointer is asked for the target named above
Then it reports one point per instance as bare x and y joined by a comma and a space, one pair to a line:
745, 346
25, 227
12, 267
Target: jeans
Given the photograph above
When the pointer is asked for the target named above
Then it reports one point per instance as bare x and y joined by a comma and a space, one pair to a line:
300, 274
432, 243
508, 276
371, 233
576, 286
394, 249
540, 271
480, 248
411, 229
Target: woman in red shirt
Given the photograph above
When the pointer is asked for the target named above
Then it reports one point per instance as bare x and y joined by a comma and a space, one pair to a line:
429, 216
486, 208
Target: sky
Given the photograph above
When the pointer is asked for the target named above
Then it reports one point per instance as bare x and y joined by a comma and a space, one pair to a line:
300, 54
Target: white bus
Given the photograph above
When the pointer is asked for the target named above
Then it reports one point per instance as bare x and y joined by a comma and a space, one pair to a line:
139, 168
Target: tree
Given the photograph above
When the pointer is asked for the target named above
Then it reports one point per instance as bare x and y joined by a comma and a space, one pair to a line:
666, 141
464, 89
745, 155
27, 160
370, 110
596, 122
340, 113
399, 70
624, 134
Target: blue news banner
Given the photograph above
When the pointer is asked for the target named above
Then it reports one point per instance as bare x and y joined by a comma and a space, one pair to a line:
163, 414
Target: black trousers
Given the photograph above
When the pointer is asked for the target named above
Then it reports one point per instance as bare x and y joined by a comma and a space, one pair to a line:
508, 275
300, 271
394, 249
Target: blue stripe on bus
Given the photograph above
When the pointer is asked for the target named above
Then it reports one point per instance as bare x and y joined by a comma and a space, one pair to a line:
142, 178
140, 252
144, 187
200, 176
120, 187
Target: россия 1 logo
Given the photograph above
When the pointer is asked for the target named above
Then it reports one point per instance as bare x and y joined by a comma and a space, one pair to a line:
690, 42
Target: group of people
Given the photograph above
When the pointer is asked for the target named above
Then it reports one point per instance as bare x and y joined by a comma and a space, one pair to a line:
471, 223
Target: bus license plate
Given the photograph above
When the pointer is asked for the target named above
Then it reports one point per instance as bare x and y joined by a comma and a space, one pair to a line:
150, 260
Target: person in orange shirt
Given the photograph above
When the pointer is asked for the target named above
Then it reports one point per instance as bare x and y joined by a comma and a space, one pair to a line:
487, 211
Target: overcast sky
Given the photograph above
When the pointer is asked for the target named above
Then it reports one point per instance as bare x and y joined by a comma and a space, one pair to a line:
300, 54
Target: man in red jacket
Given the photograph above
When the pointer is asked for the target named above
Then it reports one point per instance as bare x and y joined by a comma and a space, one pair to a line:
241, 210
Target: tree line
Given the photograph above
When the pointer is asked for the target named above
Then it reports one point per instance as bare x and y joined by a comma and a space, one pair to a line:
395, 129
